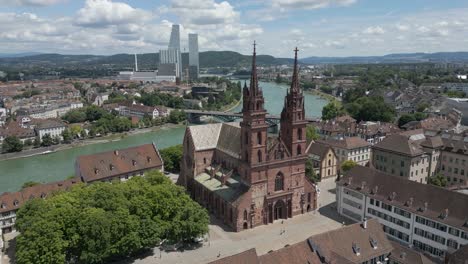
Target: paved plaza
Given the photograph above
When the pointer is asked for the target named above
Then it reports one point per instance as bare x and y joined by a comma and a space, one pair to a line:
222, 242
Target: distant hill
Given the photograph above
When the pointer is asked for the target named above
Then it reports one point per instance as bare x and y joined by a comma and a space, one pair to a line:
392, 58
209, 59
145, 61
15, 55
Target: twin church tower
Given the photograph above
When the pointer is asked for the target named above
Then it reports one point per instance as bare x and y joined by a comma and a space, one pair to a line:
241, 174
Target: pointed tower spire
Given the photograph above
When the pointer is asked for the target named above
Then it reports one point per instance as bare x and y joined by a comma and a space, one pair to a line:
295, 78
253, 77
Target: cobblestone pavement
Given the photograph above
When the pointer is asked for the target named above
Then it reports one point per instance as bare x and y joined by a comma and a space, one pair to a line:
222, 242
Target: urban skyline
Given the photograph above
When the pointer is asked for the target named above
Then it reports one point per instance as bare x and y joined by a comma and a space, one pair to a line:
319, 28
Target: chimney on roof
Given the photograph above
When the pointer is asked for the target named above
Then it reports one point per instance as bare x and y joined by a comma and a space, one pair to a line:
392, 196
363, 184
350, 179
356, 249
444, 214
375, 189
409, 203
364, 223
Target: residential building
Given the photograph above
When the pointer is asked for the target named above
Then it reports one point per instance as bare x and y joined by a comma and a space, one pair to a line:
242, 175
456, 87
410, 155
3, 116
10, 202
193, 57
458, 257
120, 164
404, 255
342, 126
14, 129
357, 243
52, 127
454, 159
350, 148
374, 132
140, 111
429, 218
324, 161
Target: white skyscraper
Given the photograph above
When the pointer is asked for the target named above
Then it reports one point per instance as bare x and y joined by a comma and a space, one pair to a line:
174, 43
193, 56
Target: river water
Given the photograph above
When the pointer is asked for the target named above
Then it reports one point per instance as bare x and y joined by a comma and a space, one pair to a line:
60, 165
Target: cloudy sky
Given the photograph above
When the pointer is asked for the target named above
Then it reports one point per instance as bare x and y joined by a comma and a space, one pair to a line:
317, 27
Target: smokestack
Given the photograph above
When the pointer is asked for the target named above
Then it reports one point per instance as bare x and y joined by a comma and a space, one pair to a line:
136, 63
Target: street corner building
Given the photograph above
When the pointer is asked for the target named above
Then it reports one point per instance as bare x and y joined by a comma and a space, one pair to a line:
242, 175
120, 164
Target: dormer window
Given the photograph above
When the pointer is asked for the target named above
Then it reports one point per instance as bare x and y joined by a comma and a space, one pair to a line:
134, 162
148, 159
111, 167
373, 243
16, 203
43, 195
3, 206
96, 171
356, 249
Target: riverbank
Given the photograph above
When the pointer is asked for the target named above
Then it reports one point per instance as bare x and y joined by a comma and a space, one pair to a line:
232, 106
330, 98
97, 140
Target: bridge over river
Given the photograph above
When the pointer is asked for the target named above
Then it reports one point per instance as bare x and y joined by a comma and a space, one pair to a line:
193, 116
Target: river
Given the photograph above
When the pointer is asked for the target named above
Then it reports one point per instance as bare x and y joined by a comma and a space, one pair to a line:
60, 165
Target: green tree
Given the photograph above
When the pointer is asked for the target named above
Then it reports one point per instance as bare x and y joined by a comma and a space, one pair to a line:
310, 173
438, 180
132, 216
370, 109
12, 144
172, 157
348, 165
37, 142
404, 119
75, 116
311, 133
331, 110
176, 116
66, 136
47, 140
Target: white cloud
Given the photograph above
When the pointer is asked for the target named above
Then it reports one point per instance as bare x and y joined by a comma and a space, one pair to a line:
30, 2
103, 13
402, 27
309, 4
204, 12
374, 30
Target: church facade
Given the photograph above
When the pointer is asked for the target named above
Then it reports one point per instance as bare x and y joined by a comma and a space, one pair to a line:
242, 175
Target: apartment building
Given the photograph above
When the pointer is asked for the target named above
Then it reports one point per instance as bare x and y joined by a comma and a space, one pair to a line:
52, 127
454, 159
350, 148
411, 155
120, 164
324, 160
140, 111
428, 218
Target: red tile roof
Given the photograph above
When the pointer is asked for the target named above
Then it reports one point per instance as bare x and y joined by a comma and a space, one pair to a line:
111, 164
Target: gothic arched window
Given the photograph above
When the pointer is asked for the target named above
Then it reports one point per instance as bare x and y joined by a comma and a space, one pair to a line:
245, 214
299, 150
329, 162
279, 182
259, 155
259, 138
299, 134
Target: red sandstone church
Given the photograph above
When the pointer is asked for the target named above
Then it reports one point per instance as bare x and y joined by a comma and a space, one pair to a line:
242, 175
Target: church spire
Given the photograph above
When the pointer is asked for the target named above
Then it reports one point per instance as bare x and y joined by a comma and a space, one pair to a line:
295, 78
253, 77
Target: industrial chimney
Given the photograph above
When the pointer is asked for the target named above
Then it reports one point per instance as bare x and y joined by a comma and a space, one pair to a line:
136, 63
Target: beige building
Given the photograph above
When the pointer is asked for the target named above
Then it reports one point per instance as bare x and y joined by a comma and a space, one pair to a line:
454, 159
408, 155
324, 160
350, 148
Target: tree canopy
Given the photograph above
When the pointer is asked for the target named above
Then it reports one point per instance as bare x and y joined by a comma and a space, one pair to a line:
331, 110
104, 222
438, 180
370, 109
348, 165
12, 144
172, 157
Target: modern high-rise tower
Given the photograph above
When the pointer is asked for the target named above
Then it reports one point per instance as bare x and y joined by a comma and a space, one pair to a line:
193, 56
174, 44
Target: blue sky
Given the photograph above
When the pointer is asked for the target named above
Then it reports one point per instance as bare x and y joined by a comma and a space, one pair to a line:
317, 27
